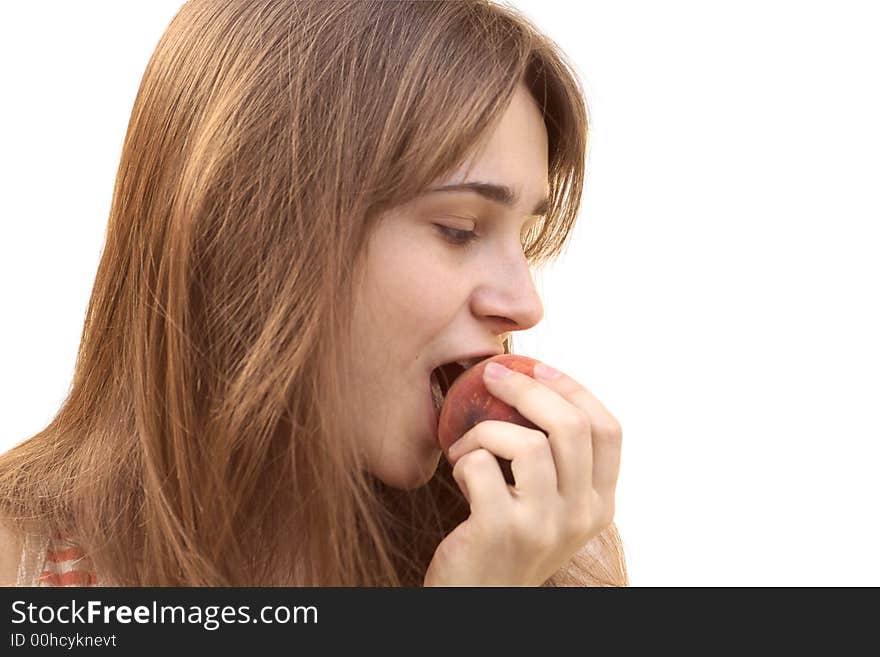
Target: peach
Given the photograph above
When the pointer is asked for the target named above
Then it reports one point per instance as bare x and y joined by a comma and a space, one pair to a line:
468, 402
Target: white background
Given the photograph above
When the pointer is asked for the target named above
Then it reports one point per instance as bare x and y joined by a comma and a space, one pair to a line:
719, 296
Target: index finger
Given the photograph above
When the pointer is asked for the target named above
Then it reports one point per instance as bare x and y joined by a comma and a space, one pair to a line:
567, 427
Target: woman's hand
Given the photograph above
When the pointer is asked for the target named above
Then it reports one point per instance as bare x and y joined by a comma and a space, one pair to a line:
564, 494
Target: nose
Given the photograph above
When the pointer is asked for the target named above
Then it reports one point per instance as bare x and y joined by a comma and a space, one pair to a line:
508, 300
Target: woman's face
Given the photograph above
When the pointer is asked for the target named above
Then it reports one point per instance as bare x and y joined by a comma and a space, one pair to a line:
424, 300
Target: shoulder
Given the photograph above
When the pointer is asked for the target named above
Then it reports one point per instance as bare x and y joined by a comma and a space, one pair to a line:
10, 555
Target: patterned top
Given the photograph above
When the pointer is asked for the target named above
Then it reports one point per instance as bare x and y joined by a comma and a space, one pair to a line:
54, 561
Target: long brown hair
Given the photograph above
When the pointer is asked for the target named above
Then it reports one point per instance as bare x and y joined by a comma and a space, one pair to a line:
204, 439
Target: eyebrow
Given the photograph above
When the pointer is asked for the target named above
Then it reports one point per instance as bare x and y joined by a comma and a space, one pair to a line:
501, 194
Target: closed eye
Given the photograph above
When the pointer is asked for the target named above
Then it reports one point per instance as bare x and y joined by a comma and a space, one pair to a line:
456, 235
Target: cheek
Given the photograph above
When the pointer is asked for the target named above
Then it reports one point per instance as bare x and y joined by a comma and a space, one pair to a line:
417, 289
413, 285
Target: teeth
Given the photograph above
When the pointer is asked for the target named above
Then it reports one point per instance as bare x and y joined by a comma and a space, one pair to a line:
436, 392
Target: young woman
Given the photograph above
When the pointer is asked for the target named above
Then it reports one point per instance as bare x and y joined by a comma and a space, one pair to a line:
317, 204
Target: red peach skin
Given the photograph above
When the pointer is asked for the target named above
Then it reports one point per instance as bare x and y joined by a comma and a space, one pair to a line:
468, 402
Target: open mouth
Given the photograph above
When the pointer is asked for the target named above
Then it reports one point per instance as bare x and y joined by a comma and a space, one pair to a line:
444, 376
442, 379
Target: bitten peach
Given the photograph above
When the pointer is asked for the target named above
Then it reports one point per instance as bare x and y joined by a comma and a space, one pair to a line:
469, 402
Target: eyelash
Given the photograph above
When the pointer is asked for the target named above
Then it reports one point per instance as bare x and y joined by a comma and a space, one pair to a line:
456, 235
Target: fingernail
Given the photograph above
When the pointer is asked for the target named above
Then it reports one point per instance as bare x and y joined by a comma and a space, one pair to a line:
546, 372
496, 371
